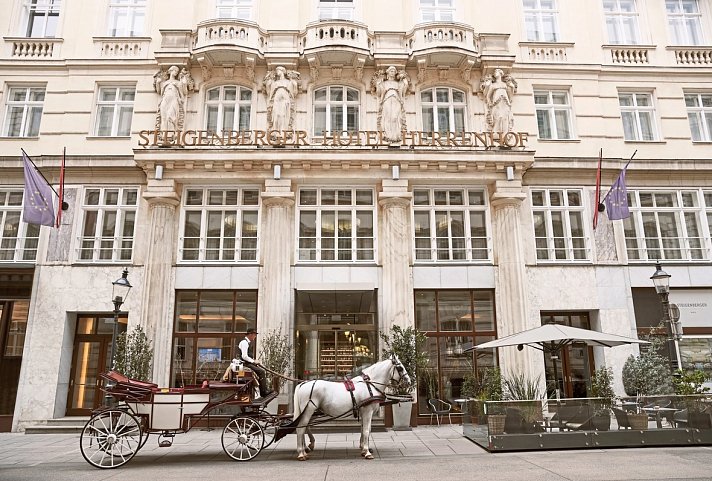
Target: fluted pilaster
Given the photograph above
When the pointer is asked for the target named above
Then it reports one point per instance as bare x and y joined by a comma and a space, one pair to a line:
157, 304
395, 255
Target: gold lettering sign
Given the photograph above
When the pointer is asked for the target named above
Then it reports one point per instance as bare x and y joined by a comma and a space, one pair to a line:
365, 138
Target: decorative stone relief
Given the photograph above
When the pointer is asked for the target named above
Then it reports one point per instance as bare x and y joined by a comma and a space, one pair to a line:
313, 67
281, 86
174, 86
358, 66
228, 71
498, 90
336, 72
391, 87
422, 69
250, 68
443, 73
207, 72
467, 70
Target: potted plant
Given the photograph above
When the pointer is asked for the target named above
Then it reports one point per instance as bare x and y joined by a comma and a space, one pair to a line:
690, 385
134, 354
409, 345
481, 388
601, 387
527, 413
276, 355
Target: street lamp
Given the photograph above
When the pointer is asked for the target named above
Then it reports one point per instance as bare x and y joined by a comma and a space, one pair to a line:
120, 291
661, 281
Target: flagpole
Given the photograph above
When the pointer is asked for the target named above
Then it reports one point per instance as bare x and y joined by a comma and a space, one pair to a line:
625, 167
38, 171
61, 188
596, 208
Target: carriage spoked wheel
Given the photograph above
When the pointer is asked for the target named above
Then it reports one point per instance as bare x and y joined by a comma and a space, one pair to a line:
243, 438
110, 439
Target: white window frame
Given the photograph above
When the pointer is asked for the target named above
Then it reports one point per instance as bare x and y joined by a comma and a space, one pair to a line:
434, 105
132, 9
41, 8
574, 249
28, 106
217, 248
436, 11
537, 13
701, 113
684, 35
637, 112
331, 105
340, 10
118, 106
238, 9
616, 21
311, 249
238, 105
646, 247
442, 204
550, 109
18, 239
93, 246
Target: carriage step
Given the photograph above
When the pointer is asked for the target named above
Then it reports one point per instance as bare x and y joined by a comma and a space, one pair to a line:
165, 440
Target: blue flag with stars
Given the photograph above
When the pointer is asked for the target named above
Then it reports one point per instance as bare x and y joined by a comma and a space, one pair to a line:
617, 199
37, 203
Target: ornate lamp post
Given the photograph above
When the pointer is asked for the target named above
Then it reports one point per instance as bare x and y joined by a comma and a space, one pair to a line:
120, 291
661, 281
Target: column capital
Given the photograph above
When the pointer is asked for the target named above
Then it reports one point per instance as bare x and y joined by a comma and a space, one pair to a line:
161, 192
277, 193
394, 193
507, 193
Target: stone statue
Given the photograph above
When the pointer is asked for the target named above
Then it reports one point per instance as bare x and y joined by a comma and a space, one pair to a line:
173, 86
391, 87
282, 87
499, 90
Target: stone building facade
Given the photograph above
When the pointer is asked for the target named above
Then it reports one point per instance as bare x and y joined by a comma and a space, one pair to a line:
329, 169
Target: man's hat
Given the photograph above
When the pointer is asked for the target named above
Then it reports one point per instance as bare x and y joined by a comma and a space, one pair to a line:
252, 330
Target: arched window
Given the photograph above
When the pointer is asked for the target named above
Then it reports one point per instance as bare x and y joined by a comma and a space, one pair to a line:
228, 108
443, 110
335, 110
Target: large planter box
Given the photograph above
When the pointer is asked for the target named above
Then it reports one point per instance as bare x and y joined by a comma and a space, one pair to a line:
638, 422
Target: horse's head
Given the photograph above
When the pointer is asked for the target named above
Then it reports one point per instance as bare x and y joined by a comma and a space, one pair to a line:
400, 375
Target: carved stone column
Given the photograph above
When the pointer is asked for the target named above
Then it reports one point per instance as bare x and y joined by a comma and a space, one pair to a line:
511, 282
276, 248
157, 303
395, 254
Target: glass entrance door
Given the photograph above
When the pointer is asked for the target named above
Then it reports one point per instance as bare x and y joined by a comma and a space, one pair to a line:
575, 362
92, 356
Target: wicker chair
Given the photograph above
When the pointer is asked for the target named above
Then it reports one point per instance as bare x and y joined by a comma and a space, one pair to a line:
439, 409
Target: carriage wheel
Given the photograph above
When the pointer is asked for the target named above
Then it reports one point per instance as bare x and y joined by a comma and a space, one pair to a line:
243, 438
110, 439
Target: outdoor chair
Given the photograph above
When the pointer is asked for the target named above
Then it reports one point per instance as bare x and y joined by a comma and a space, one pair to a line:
581, 420
680, 418
439, 409
621, 418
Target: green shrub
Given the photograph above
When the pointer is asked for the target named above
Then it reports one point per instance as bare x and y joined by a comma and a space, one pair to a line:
134, 354
276, 355
409, 345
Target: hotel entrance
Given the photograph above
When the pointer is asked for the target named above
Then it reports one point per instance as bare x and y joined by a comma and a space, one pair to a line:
336, 333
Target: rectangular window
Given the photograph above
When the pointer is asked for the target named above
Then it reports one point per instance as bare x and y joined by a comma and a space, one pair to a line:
541, 20
559, 225
18, 240
437, 11
622, 22
240, 9
451, 225
24, 111
553, 114
41, 18
114, 110
684, 22
336, 9
337, 225
127, 18
668, 225
699, 113
638, 114
454, 321
219, 225
108, 224
207, 329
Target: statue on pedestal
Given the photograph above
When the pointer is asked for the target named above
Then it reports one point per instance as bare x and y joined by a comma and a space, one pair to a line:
391, 87
282, 87
173, 86
499, 90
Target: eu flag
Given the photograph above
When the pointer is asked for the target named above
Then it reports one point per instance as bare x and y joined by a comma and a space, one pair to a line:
37, 203
617, 199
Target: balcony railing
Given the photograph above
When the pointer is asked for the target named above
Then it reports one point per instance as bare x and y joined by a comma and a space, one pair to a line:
692, 55
336, 32
34, 48
237, 33
442, 35
122, 47
541, 52
629, 55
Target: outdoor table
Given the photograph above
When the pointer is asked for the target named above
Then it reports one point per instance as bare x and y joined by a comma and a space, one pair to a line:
462, 402
658, 411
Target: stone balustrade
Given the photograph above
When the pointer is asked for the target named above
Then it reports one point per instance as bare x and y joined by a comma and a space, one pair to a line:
335, 32
238, 33
629, 55
545, 52
112, 47
34, 48
442, 35
693, 55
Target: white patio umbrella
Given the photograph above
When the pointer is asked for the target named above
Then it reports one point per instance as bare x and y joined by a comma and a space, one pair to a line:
551, 338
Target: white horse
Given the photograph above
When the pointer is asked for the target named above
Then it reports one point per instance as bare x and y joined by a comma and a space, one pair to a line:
334, 400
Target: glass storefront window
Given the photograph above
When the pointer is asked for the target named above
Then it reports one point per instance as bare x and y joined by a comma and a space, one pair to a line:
696, 354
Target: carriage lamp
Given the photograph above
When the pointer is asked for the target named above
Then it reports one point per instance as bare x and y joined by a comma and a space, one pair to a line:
661, 281
120, 291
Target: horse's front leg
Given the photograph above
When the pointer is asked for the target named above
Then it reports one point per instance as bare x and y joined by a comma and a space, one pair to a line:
366, 417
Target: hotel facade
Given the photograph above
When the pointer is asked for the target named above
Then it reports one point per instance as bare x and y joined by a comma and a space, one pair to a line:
328, 169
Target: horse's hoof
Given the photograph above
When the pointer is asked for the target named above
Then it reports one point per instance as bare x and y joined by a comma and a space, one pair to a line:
363, 455
368, 456
301, 457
